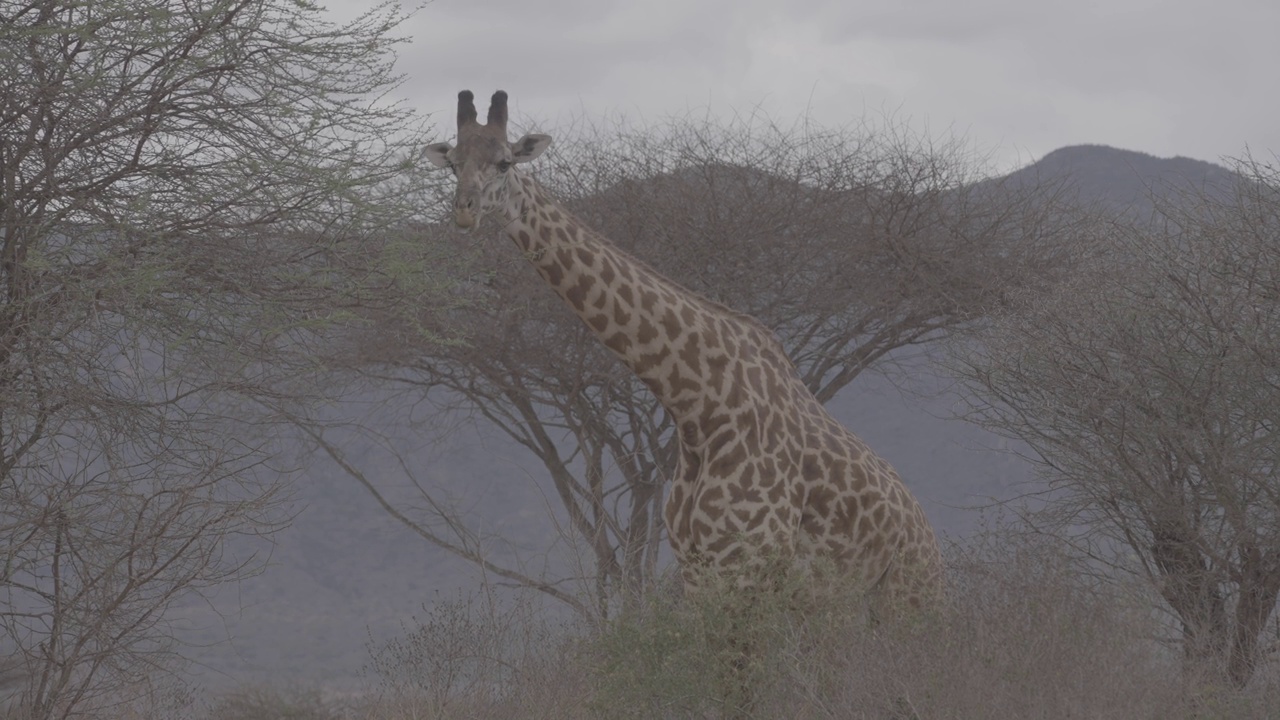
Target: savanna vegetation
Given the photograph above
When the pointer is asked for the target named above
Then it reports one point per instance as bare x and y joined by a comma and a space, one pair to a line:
215, 229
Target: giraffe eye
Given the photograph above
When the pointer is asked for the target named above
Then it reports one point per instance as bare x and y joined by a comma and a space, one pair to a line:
504, 166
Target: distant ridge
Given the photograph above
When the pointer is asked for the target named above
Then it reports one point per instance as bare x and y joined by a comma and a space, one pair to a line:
1124, 180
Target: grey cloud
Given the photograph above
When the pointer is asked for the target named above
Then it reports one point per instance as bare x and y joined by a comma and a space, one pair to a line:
1166, 77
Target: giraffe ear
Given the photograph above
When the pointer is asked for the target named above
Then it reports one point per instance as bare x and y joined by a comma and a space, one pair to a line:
438, 154
529, 147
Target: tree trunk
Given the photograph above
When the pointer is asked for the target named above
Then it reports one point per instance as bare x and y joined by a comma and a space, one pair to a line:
1259, 585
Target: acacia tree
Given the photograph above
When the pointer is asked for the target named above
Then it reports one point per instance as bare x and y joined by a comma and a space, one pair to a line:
851, 244
174, 177
1147, 387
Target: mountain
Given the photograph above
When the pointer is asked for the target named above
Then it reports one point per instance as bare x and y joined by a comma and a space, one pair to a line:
1123, 180
345, 575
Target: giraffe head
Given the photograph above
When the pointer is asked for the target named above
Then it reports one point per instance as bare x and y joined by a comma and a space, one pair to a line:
483, 159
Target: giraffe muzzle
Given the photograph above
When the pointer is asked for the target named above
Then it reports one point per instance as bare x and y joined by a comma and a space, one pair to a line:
465, 219
464, 211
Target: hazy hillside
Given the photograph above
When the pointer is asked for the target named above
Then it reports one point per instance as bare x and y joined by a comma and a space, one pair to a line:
345, 572
1122, 179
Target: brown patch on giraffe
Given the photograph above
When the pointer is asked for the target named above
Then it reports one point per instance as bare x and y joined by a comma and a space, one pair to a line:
821, 499
576, 297
647, 332
648, 300
747, 426
838, 474
831, 442
709, 499
607, 273
671, 324
699, 530
810, 470
685, 406
767, 469
845, 515
838, 548
710, 420
880, 514
654, 384
677, 494
774, 428
552, 272
646, 363
724, 464
772, 387
677, 382
751, 518
618, 342
716, 365
745, 489
876, 544
776, 491
723, 542
691, 354
561, 235
621, 315
598, 323
863, 527
624, 269
689, 433
813, 524
793, 427
911, 534
623, 293
523, 240
858, 479
688, 315
716, 441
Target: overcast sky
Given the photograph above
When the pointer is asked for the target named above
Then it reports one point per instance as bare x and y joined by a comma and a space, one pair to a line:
1198, 78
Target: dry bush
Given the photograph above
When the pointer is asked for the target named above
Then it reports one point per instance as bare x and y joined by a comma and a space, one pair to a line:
1026, 635
264, 702
1029, 633
174, 177
476, 658
1144, 390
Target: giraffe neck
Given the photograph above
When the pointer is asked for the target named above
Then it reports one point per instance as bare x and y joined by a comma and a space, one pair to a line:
671, 338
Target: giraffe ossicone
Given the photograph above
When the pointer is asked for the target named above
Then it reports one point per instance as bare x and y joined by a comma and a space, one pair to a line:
763, 468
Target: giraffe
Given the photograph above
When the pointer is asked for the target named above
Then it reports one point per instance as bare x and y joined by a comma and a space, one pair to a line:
763, 468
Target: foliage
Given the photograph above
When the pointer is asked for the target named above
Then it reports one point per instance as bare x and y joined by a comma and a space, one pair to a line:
175, 179
1146, 387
